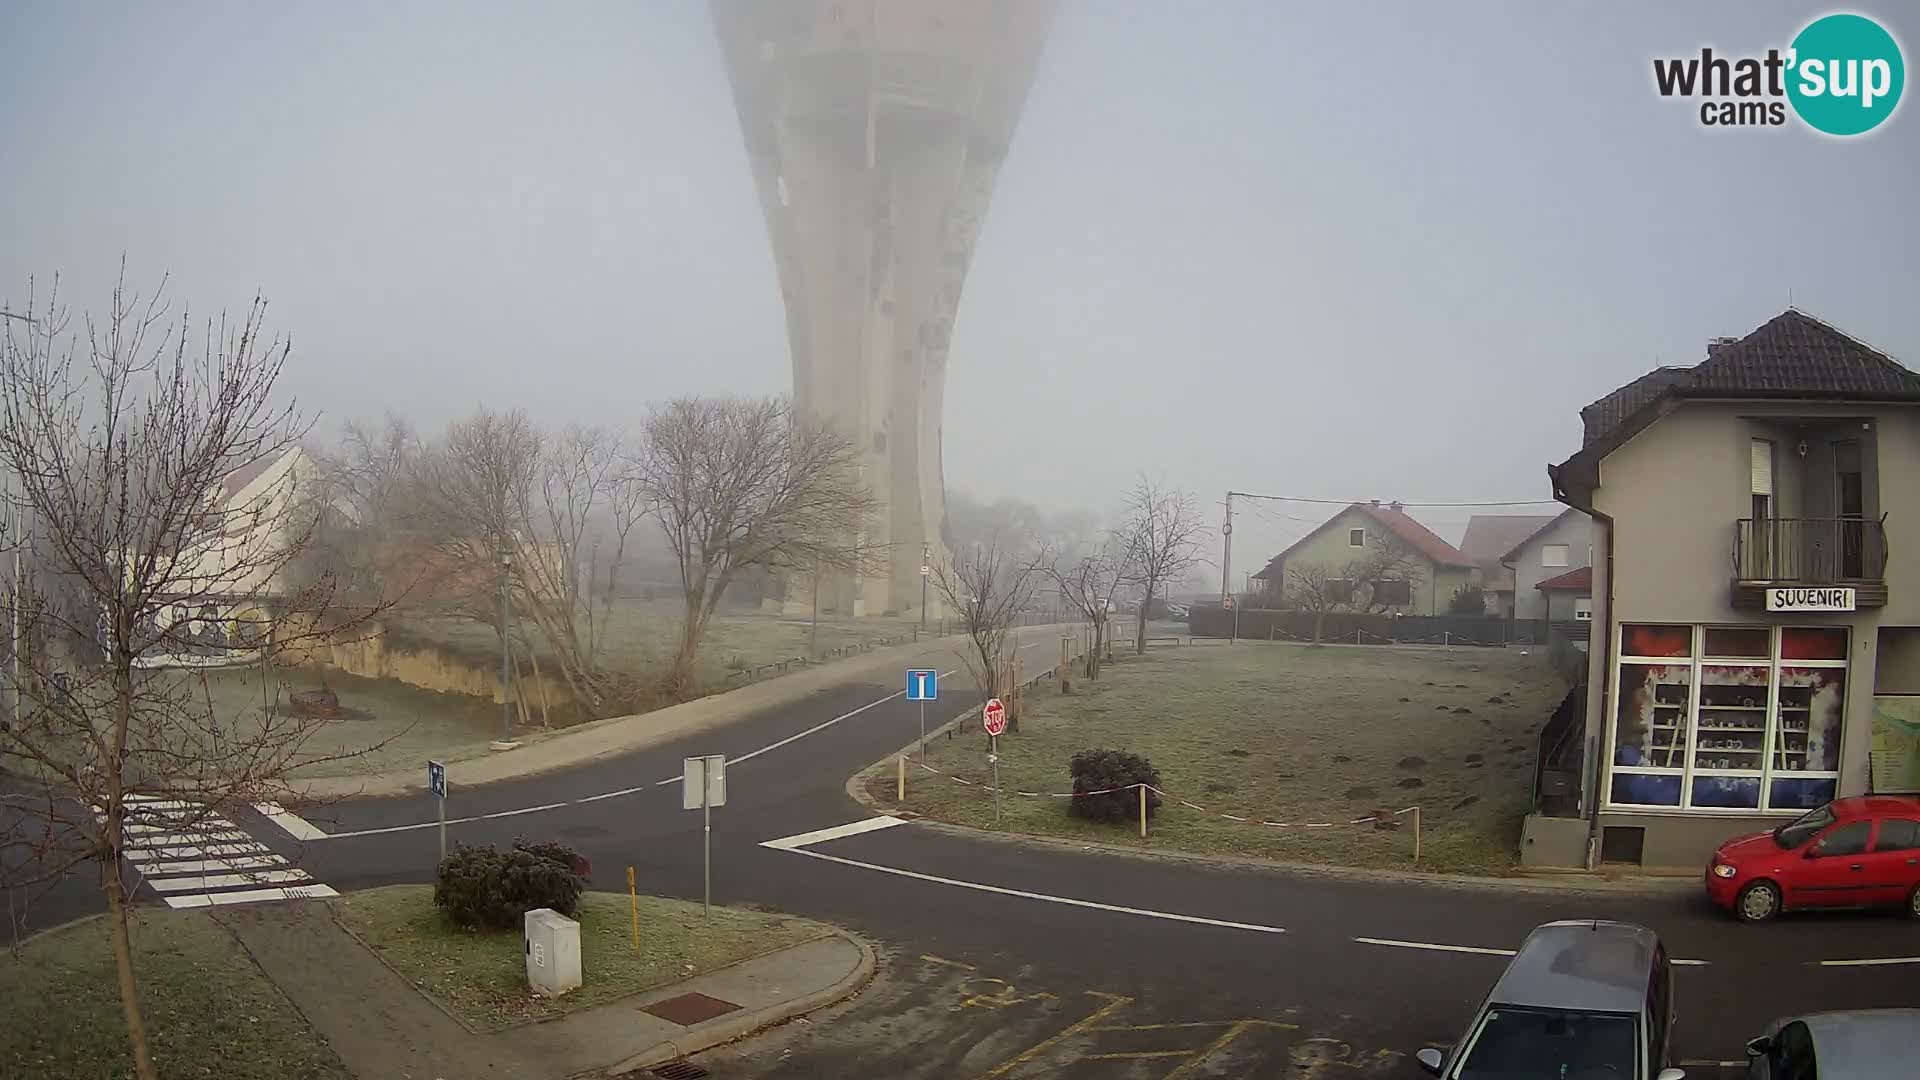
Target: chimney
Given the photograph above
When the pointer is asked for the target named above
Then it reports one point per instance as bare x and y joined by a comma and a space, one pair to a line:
1718, 344
1395, 507
1373, 503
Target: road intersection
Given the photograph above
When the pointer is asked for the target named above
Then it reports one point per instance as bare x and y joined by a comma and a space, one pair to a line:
1138, 959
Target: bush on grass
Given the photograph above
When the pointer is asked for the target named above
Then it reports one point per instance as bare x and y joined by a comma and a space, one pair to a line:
1113, 772
480, 888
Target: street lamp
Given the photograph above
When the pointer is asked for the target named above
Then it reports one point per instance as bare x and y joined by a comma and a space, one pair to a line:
926, 555
506, 683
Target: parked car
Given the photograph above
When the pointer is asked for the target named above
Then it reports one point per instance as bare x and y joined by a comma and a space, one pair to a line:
1588, 1000
1857, 852
1868, 1045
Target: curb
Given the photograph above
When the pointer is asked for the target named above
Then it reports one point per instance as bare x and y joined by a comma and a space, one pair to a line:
725, 1030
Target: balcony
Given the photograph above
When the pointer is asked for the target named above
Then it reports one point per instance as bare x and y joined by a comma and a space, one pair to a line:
1809, 552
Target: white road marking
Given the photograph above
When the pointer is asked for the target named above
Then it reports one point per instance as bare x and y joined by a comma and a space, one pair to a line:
1433, 947
323, 835
821, 836
222, 881
1170, 916
1475, 950
201, 866
184, 839
211, 851
251, 896
137, 829
1883, 961
300, 828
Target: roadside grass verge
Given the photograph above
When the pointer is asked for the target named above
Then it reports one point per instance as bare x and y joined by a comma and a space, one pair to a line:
482, 977
210, 1012
1278, 732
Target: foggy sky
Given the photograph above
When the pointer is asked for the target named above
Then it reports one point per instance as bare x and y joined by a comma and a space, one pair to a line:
1346, 251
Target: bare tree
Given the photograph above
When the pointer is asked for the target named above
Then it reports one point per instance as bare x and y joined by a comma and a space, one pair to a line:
1377, 576
1311, 587
1087, 581
119, 437
740, 482
986, 585
1162, 534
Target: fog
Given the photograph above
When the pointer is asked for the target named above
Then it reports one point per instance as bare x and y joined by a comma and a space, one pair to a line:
1335, 251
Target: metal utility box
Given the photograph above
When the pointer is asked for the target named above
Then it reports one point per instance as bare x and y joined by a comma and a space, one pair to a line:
553, 952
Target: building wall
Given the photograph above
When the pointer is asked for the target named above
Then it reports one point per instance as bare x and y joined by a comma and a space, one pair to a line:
1430, 592
1574, 530
1674, 493
1558, 605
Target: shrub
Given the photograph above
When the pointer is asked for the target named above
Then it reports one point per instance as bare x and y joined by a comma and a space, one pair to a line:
481, 888
1102, 770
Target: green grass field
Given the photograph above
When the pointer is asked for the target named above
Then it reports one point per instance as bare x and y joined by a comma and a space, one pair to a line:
481, 977
1283, 733
210, 1012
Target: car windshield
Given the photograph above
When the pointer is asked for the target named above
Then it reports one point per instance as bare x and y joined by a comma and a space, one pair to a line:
1550, 1044
1802, 830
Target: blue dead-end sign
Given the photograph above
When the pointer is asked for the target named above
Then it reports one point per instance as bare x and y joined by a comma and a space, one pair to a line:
923, 684
437, 779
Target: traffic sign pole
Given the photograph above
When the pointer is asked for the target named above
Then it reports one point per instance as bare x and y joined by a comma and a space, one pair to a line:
437, 784
993, 755
923, 733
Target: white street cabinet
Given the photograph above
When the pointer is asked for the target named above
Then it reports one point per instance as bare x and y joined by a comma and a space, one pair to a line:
553, 952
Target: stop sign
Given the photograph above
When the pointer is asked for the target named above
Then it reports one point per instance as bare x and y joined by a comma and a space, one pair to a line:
994, 717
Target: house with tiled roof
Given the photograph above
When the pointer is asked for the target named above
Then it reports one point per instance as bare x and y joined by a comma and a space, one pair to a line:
1559, 545
1487, 540
1754, 593
1372, 558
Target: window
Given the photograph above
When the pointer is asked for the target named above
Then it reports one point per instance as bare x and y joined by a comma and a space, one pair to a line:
1582, 609
1514, 1042
1393, 593
1356, 538
1898, 835
1727, 718
1848, 839
1553, 555
1339, 591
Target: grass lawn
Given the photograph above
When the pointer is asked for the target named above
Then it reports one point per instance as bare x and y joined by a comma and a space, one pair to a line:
482, 977
1284, 733
209, 1010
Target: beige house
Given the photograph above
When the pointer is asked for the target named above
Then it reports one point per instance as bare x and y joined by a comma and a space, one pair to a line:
1755, 594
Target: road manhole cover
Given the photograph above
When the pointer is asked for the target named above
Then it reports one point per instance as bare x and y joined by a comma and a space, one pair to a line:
690, 1009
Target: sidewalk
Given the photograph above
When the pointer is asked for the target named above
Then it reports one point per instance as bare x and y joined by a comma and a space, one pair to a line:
383, 1028
624, 734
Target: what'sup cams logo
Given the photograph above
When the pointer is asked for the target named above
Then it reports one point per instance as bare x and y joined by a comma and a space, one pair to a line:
1842, 76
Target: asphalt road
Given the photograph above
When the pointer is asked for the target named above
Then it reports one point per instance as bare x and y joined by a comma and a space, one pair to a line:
1008, 958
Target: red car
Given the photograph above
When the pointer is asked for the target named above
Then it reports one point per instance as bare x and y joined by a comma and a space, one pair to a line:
1858, 852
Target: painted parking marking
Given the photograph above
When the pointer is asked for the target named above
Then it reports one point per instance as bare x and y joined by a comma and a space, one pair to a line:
1070, 901
674, 779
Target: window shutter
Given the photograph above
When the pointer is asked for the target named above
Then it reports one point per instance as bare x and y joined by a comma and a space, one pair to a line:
1762, 467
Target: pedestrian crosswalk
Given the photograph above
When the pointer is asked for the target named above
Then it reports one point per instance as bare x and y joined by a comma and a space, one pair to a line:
196, 858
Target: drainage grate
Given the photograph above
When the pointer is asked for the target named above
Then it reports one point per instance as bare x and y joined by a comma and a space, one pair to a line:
680, 1070
690, 1009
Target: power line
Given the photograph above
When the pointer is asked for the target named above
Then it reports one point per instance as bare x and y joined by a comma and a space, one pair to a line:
1351, 502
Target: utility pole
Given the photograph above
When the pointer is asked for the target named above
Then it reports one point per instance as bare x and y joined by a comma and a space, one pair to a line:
1226, 568
926, 553
813, 628
506, 684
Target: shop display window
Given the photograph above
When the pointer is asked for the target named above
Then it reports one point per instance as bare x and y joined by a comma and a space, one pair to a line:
1752, 722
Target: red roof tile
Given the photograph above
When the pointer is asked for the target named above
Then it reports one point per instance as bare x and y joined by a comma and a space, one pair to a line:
1580, 580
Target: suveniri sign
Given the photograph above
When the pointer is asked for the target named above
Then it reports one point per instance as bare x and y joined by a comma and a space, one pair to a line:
1810, 599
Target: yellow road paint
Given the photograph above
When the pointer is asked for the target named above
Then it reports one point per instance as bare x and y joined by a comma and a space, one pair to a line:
1006, 995
931, 959
1114, 1004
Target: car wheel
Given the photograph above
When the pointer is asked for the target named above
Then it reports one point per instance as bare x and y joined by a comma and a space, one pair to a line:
1757, 902
1913, 902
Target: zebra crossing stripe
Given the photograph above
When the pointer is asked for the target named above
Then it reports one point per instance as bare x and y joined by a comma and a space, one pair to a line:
186, 839
201, 866
250, 896
227, 881
211, 851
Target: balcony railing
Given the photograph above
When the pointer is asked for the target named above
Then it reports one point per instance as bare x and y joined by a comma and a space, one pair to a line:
1810, 550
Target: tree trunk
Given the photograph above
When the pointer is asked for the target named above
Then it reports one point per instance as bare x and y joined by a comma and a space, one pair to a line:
546, 706
1140, 626
679, 682
1318, 618
123, 963
520, 693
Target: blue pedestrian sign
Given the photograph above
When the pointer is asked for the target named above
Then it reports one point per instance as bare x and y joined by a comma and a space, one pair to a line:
923, 685
437, 779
